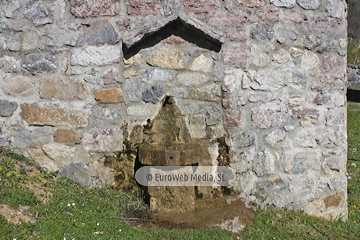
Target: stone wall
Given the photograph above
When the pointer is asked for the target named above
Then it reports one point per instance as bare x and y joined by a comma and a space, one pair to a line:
353, 76
262, 82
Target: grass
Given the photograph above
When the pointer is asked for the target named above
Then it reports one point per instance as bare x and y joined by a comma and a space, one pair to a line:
353, 56
75, 212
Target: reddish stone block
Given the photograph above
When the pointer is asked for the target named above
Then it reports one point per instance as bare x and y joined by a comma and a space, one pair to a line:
269, 115
235, 57
321, 99
328, 83
237, 36
331, 62
92, 8
322, 24
64, 135
336, 117
137, 7
253, 3
233, 117
197, 6
294, 16
268, 14
173, 40
228, 19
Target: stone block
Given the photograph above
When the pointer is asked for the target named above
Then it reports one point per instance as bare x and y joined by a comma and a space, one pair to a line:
191, 79
228, 19
336, 8
264, 163
198, 7
321, 99
35, 10
152, 94
101, 33
265, 80
308, 4
211, 92
7, 108
334, 200
309, 60
307, 116
311, 41
284, 3
263, 32
322, 24
31, 40
111, 76
148, 110
269, 115
328, 83
213, 116
276, 137
59, 153
294, 16
243, 139
332, 62
202, 63
65, 135
12, 43
34, 63
93, 55
18, 86
336, 117
9, 64
169, 58
234, 117
253, 3
138, 7
305, 139
78, 172
236, 57
268, 14
93, 8
63, 88
34, 114
262, 97
105, 140
63, 34
25, 138
161, 75
109, 95
237, 36
285, 33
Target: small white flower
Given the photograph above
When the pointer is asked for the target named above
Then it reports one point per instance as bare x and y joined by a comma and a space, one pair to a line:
97, 224
73, 204
69, 204
119, 230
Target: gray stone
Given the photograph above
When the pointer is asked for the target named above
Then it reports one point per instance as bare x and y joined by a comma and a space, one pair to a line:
9, 64
309, 60
269, 115
105, 140
243, 139
211, 92
9, 7
39, 62
337, 184
299, 163
308, 4
42, 21
259, 55
191, 79
26, 138
335, 8
60, 153
103, 32
63, 33
161, 75
131, 92
152, 94
34, 10
265, 80
297, 79
285, 34
31, 41
7, 108
13, 43
331, 138
311, 41
92, 55
78, 172
264, 163
4, 26
263, 33
284, 3
213, 116
275, 137
305, 139
263, 97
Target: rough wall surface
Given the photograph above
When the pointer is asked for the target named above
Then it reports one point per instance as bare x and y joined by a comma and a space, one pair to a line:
267, 76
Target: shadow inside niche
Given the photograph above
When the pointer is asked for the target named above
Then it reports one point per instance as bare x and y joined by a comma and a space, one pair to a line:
353, 95
177, 28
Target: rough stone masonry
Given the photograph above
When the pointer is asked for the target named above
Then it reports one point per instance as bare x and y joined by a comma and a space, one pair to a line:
263, 79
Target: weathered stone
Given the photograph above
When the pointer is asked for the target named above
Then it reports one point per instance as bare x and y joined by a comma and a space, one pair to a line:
259, 55
26, 138
59, 152
109, 95
9, 64
236, 57
132, 73
92, 8
333, 163
264, 163
202, 63
264, 80
305, 139
336, 117
322, 24
308, 4
328, 83
228, 19
268, 14
296, 100
281, 57
18, 86
131, 90
213, 116
199, 6
63, 88
12, 43
78, 172
295, 16
308, 116
295, 52
209, 92
191, 79
321, 99
34, 10
161, 75
65, 135
31, 40
269, 115
63, 33
92, 55
34, 114
284, 3
309, 60
334, 200
137, 7
299, 163
253, 3
237, 36
332, 62
243, 139
263, 97
152, 94
106, 140
337, 184
102, 32
232, 80
169, 58
330, 139
39, 62
263, 33
311, 41
9, 7
234, 117
143, 110
336, 8
136, 60
7, 108
42, 21
275, 137
111, 76
285, 33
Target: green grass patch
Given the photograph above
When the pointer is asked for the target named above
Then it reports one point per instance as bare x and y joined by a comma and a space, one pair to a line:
353, 51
